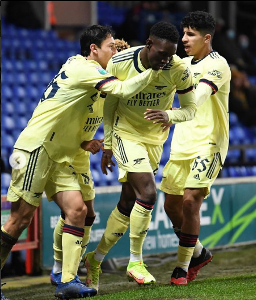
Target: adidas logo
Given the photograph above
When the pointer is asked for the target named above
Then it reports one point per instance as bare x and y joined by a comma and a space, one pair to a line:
197, 176
78, 242
117, 233
144, 231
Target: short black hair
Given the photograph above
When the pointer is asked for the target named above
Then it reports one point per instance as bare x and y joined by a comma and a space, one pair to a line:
94, 34
165, 31
201, 21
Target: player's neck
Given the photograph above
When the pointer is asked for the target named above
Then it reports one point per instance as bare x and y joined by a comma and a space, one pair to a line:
144, 58
202, 54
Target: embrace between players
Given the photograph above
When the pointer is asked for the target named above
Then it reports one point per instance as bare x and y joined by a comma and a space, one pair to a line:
58, 156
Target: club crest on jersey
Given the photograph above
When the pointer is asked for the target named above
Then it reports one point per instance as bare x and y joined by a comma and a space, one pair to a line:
138, 161
101, 71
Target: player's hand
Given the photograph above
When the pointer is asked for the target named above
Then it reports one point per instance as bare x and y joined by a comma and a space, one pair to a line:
106, 161
156, 114
93, 146
166, 126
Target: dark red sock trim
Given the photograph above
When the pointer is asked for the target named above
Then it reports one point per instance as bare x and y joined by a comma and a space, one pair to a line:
187, 240
144, 204
77, 231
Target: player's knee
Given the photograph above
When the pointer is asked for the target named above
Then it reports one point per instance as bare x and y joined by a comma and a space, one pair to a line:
77, 212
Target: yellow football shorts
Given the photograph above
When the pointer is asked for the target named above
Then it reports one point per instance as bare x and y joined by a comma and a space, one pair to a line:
199, 172
67, 179
134, 156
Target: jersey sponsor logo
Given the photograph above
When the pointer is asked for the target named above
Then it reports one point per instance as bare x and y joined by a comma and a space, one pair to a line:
101, 70
138, 161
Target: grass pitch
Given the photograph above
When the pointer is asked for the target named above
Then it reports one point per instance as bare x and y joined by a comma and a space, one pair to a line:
230, 276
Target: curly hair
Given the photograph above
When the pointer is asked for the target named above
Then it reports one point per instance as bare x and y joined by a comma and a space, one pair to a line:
165, 31
201, 21
121, 45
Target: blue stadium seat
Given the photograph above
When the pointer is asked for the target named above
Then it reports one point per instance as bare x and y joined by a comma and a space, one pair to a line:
7, 123
21, 122
7, 141
5, 182
250, 154
19, 93
233, 119
233, 155
7, 108
6, 93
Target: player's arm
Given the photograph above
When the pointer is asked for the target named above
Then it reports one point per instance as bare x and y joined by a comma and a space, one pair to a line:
127, 88
93, 146
109, 108
212, 81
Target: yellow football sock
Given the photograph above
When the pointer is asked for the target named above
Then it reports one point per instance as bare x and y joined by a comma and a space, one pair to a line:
57, 240
116, 227
184, 257
71, 248
139, 224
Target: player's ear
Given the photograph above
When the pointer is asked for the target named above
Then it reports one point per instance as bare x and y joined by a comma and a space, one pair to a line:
207, 38
94, 48
149, 43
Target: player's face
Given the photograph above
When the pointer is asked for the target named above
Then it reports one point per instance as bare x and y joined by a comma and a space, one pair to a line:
160, 52
194, 43
106, 51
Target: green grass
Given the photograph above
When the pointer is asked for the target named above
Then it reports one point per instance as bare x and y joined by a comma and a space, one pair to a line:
230, 276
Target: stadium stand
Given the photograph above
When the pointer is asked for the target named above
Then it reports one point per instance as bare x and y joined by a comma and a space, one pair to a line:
29, 60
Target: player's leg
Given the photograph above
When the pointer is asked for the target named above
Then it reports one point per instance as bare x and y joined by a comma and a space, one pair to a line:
62, 181
208, 171
74, 213
117, 225
145, 190
139, 171
25, 193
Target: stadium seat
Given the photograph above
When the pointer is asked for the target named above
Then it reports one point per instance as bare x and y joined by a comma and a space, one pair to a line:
250, 154
7, 141
233, 155
7, 123
5, 182
6, 93
7, 108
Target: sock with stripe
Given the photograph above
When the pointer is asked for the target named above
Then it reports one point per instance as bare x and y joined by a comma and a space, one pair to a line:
71, 250
139, 224
185, 250
117, 225
7, 242
198, 247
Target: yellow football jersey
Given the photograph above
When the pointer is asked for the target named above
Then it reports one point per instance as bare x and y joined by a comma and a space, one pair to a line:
208, 132
59, 117
126, 118
91, 125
